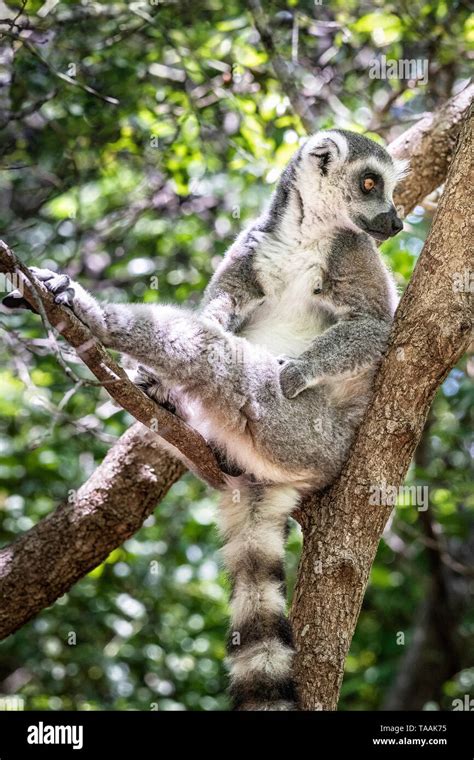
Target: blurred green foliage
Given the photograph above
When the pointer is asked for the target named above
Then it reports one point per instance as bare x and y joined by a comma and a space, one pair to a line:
139, 200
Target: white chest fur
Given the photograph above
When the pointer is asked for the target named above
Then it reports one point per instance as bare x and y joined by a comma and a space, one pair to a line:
289, 319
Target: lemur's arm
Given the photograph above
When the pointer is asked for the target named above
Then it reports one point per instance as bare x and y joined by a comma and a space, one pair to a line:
234, 289
344, 347
225, 309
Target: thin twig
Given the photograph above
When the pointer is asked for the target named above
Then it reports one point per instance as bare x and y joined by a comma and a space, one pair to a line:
59, 74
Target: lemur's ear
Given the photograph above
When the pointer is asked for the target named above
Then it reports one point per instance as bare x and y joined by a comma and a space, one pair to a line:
326, 150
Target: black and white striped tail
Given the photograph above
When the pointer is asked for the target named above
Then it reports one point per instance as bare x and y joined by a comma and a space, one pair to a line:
253, 523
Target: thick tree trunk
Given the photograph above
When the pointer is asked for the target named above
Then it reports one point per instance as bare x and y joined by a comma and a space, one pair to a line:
342, 528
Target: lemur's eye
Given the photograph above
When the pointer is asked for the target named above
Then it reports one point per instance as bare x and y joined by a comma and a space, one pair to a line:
369, 182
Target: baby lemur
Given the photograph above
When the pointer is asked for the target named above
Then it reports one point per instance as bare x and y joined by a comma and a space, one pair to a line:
275, 370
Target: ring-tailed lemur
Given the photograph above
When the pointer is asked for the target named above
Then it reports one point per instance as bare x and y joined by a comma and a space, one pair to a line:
275, 370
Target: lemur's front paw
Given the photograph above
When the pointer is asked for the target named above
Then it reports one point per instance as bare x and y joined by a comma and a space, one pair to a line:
292, 379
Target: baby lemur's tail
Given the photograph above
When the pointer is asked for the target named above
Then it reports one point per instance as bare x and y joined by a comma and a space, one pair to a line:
254, 523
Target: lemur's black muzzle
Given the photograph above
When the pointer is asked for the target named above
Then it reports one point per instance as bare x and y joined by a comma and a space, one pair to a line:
384, 225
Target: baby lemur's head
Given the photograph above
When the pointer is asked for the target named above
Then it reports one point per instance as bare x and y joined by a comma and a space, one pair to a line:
343, 179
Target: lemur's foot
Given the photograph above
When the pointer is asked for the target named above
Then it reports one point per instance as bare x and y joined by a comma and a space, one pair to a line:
58, 284
68, 293
153, 387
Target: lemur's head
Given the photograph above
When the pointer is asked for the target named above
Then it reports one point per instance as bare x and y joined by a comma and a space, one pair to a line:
347, 180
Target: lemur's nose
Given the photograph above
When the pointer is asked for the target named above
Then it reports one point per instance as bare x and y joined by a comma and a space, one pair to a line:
387, 223
397, 224
394, 221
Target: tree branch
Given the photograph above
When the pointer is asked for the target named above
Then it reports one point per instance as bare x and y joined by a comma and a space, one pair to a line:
42, 564
343, 527
429, 145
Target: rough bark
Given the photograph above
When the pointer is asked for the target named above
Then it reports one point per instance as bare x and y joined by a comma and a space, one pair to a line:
342, 528
429, 145
46, 561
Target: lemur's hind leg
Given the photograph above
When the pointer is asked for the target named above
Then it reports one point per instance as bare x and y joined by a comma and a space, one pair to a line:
172, 401
224, 372
220, 370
